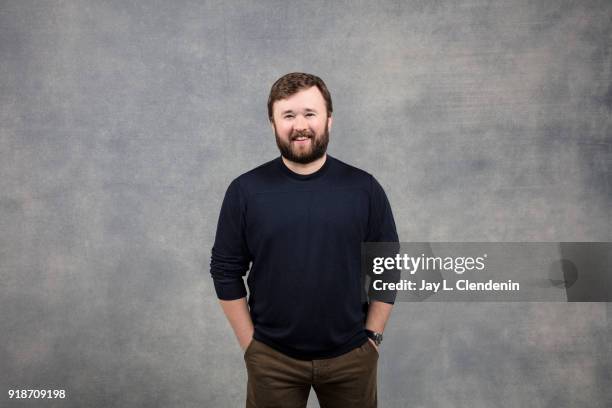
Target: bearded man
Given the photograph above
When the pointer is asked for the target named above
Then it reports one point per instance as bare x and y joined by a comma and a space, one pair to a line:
296, 224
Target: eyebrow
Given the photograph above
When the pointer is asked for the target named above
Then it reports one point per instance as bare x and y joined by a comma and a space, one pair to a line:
306, 110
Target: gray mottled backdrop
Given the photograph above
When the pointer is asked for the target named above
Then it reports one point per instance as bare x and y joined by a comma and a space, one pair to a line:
122, 123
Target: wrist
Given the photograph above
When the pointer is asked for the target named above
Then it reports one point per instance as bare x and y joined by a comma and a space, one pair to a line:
375, 336
245, 339
246, 344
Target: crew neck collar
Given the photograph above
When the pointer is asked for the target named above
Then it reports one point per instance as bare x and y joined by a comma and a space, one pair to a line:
302, 177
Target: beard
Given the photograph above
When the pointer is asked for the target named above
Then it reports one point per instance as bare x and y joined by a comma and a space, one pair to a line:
316, 149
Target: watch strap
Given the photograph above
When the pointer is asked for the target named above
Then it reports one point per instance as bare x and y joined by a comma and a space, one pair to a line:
375, 336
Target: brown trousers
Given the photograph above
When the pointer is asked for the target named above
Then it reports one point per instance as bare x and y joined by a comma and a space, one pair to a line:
279, 381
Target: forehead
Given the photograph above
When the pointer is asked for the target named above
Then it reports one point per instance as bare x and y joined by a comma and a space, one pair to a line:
310, 98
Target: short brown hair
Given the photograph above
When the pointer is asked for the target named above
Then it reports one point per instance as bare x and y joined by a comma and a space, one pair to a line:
294, 82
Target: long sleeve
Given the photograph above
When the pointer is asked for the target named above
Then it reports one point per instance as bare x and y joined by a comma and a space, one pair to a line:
230, 256
381, 225
381, 228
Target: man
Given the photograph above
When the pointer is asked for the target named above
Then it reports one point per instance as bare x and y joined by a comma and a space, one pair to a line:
300, 220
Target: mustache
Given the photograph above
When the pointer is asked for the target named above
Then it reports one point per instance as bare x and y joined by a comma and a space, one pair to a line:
304, 133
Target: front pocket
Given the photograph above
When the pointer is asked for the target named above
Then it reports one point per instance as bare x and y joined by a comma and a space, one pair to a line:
249, 347
372, 347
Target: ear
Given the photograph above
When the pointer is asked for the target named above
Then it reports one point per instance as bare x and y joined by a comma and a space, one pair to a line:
272, 126
329, 123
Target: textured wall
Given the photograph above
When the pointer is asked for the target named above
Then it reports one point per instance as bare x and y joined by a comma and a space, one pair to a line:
122, 123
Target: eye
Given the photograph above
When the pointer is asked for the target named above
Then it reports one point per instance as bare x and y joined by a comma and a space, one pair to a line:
310, 114
288, 116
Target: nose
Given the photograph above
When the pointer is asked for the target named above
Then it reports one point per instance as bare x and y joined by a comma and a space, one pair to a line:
300, 123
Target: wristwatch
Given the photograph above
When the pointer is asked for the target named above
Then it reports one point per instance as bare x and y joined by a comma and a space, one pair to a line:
376, 336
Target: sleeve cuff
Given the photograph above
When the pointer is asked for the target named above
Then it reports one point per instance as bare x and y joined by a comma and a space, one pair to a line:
230, 291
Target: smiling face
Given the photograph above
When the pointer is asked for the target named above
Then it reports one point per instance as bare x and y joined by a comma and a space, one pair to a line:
301, 126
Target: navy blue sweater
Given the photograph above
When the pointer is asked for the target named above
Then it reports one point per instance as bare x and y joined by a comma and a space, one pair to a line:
301, 237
